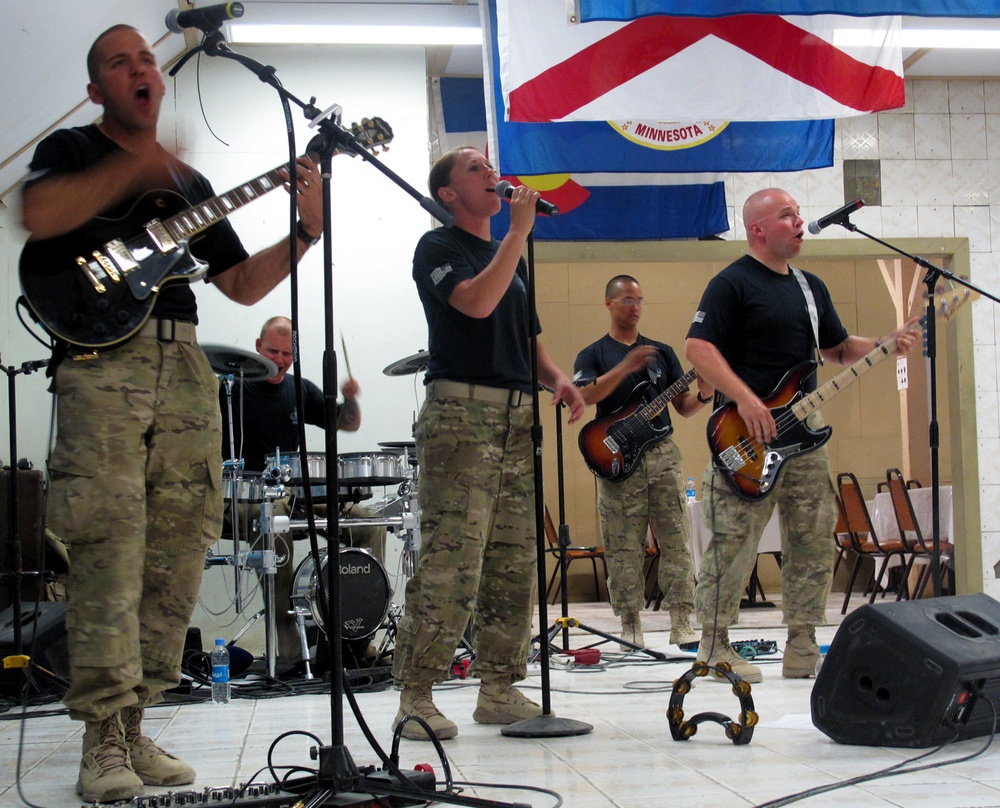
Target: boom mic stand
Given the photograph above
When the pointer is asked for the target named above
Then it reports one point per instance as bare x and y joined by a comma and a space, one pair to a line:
566, 622
337, 773
930, 280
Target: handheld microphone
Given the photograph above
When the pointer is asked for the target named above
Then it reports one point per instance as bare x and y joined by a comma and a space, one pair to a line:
206, 19
505, 189
836, 217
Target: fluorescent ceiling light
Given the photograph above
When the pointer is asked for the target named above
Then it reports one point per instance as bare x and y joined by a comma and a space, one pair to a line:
356, 34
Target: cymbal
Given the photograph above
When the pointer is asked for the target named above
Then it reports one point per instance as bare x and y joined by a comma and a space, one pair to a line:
408, 365
251, 366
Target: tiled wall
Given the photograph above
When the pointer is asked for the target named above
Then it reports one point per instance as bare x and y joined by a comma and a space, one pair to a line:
940, 164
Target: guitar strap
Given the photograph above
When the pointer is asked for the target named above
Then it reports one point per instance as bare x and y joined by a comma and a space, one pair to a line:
811, 308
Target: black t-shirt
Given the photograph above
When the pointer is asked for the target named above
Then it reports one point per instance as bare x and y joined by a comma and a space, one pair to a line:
269, 418
492, 350
598, 358
760, 323
69, 150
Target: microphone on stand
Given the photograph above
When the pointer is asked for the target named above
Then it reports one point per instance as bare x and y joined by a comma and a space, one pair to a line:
506, 190
206, 19
839, 215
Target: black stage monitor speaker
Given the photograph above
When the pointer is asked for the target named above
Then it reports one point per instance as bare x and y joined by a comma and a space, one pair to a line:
912, 674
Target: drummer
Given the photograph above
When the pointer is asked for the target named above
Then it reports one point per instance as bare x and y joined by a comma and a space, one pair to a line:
269, 421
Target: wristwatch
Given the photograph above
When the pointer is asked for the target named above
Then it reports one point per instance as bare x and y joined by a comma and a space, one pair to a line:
703, 400
303, 236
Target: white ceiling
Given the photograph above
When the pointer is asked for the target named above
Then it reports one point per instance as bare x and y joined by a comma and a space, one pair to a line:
45, 43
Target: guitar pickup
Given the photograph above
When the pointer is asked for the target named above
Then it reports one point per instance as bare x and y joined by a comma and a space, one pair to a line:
122, 257
160, 236
91, 275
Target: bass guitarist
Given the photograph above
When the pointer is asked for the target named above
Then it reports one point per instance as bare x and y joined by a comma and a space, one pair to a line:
135, 473
753, 325
653, 494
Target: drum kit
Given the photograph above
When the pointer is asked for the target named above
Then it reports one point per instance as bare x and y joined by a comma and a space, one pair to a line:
365, 591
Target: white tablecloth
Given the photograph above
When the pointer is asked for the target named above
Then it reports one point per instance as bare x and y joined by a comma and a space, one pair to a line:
884, 519
770, 540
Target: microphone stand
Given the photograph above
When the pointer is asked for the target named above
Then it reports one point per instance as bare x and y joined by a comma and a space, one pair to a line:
546, 725
337, 772
930, 280
13, 516
566, 622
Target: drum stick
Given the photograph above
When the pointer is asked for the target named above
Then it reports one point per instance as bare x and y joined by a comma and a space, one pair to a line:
347, 360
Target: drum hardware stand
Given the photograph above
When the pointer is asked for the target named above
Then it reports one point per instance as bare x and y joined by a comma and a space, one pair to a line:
930, 351
14, 524
337, 773
301, 613
565, 542
235, 477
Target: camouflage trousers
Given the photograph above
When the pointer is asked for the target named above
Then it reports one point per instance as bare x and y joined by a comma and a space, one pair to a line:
652, 495
805, 497
478, 553
136, 495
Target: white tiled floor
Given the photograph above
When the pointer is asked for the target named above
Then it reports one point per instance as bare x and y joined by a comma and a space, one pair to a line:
628, 759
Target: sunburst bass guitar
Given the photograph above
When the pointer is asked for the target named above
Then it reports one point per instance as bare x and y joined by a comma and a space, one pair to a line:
95, 287
613, 444
750, 467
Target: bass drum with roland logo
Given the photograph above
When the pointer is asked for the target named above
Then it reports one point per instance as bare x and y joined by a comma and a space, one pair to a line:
365, 594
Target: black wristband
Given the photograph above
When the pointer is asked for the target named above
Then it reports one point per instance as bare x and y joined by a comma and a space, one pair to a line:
703, 400
303, 236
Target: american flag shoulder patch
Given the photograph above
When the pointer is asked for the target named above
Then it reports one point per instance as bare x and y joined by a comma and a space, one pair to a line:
438, 274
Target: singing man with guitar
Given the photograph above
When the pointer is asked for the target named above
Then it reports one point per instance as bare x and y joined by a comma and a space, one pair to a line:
753, 328
135, 473
638, 466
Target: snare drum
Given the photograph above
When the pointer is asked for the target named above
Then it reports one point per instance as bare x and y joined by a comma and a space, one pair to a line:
247, 487
292, 463
364, 592
371, 468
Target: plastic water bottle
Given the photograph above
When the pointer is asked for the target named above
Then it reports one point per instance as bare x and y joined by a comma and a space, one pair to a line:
220, 673
822, 656
690, 490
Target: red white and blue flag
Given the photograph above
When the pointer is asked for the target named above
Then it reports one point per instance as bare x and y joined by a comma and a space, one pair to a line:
589, 10
630, 202
752, 67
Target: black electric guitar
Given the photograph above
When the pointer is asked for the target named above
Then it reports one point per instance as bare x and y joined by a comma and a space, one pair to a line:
94, 287
613, 444
751, 468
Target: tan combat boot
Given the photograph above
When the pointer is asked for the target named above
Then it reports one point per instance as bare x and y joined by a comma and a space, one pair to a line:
801, 653
681, 633
715, 649
154, 766
500, 702
106, 773
632, 630
417, 701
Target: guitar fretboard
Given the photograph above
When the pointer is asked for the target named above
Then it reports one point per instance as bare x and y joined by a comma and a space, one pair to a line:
655, 407
203, 215
812, 402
